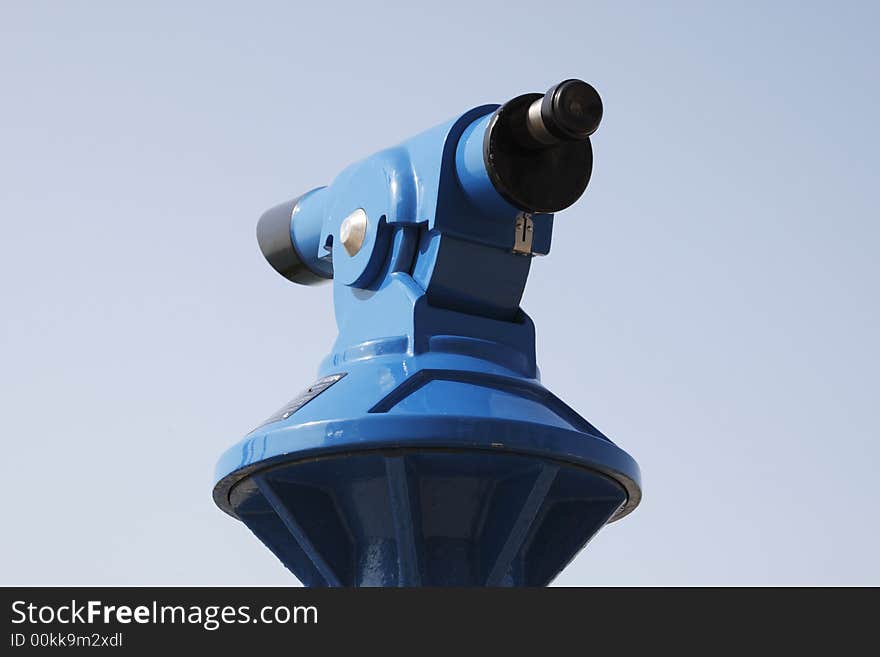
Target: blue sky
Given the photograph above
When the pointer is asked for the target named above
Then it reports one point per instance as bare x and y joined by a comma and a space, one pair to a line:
711, 302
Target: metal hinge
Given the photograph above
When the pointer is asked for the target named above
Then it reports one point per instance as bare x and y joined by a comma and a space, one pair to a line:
524, 232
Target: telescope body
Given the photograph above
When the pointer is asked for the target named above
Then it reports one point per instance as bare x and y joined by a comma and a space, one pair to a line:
427, 452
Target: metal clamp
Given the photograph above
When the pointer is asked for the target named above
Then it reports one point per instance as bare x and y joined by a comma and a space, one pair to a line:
524, 231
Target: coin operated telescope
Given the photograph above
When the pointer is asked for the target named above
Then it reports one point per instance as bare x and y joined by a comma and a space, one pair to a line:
427, 452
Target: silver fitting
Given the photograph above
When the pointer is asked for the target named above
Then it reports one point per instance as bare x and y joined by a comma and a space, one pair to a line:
524, 232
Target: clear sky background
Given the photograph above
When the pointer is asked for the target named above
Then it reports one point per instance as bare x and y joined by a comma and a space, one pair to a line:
711, 303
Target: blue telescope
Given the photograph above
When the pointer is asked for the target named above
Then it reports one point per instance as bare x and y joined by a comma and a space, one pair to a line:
427, 452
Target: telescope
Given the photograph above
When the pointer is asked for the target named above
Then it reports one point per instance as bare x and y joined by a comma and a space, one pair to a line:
427, 452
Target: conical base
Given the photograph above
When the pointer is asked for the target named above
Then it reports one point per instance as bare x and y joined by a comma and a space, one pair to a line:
426, 517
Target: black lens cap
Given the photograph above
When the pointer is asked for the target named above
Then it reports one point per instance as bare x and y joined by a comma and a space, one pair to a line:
276, 243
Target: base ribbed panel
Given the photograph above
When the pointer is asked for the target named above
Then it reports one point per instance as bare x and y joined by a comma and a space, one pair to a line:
426, 518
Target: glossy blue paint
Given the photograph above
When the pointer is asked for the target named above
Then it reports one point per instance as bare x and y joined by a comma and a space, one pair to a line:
305, 231
438, 457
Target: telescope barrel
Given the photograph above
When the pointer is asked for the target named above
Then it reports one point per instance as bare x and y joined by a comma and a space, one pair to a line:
532, 155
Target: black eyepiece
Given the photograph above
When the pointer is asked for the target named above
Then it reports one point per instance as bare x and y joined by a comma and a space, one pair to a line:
537, 148
571, 110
